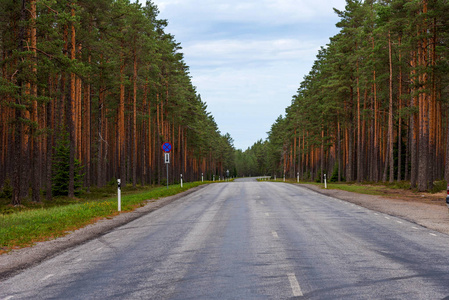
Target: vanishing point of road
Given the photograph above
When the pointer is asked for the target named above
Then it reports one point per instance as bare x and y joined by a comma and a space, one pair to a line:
248, 240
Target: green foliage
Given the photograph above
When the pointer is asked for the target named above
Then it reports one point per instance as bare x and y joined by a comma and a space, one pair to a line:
341, 110
60, 171
6, 192
318, 177
438, 186
253, 161
334, 176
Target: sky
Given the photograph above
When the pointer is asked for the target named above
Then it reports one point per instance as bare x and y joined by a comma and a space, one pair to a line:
247, 58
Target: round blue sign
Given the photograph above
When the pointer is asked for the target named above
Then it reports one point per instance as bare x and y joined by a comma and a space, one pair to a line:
166, 147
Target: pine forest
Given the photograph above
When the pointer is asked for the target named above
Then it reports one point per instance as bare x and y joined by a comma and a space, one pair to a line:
90, 90
374, 106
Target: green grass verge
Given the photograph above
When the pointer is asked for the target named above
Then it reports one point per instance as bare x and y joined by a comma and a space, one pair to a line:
27, 226
370, 188
355, 188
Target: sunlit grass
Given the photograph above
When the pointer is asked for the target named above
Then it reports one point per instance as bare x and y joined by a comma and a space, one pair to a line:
22, 228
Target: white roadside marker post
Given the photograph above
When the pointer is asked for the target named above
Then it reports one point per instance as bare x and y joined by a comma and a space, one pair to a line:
181, 180
325, 181
119, 193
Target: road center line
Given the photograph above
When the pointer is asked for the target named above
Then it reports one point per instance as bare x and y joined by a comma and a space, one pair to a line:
296, 289
9, 297
267, 214
275, 234
432, 234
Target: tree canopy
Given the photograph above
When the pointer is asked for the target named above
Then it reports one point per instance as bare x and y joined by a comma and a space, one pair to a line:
374, 105
109, 77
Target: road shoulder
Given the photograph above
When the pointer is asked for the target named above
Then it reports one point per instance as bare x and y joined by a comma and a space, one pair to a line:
17, 260
434, 217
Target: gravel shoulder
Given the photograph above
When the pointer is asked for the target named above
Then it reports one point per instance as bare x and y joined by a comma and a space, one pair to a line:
432, 216
435, 217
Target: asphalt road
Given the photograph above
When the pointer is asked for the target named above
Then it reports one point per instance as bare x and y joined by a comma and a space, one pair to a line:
249, 240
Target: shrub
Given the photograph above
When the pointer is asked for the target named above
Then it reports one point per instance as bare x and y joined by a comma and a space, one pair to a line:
61, 167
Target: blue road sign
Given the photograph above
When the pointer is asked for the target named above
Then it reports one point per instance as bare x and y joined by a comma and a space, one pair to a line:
166, 147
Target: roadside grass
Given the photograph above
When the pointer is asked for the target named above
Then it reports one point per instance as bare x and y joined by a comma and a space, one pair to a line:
372, 188
367, 189
32, 223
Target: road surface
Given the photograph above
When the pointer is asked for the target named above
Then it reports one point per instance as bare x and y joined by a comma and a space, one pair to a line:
249, 240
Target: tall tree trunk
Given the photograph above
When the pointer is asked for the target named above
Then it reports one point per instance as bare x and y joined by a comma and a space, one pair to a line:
71, 113
399, 178
359, 137
35, 178
390, 113
414, 124
135, 121
121, 127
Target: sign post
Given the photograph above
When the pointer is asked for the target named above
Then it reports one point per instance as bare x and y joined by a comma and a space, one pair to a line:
166, 147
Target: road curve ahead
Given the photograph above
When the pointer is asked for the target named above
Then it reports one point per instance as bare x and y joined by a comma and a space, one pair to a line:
249, 240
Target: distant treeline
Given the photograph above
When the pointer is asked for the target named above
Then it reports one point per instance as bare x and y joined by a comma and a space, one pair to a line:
374, 107
101, 86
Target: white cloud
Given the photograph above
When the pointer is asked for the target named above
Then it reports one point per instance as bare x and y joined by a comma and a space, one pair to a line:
248, 57
260, 11
250, 50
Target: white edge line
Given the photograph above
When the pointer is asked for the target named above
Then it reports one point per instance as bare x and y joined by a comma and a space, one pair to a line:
48, 276
432, 234
296, 289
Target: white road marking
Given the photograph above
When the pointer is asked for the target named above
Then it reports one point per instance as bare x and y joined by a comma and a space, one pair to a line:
399, 222
78, 260
296, 289
99, 249
376, 214
387, 218
267, 214
275, 234
48, 276
9, 297
415, 227
432, 234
